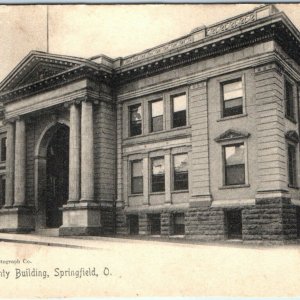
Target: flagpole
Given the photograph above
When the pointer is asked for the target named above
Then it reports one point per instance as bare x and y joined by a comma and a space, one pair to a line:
47, 29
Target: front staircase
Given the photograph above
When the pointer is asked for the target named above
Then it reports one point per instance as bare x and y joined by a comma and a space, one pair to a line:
47, 231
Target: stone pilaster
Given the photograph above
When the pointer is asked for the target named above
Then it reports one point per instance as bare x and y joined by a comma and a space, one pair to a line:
10, 164
168, 177
200, 188
146, 179
87, 152
74, 154
20, 163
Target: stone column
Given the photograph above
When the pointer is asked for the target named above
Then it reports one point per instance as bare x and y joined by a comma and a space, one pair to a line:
87, 152
168, 177
146, 179
74, 154
20, 162
10, 162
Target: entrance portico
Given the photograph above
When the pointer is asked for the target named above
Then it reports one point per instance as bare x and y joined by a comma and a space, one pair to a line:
32, 121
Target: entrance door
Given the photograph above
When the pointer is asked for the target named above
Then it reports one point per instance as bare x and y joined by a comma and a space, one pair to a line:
57, 170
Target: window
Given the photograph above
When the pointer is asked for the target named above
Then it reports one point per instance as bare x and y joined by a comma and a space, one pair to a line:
292, 164
178, 224
137, 177
234, 223
133, 221
232, 98
158, 174
181, 175
135, 113
157, 115
3, 149
289, 100
234, 162
154, 224
179, 110
2, 190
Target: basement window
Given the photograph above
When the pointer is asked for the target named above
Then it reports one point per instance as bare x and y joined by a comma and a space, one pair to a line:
234, 223
154, 224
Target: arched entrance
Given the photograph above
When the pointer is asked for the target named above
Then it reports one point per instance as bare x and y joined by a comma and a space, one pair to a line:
52, 170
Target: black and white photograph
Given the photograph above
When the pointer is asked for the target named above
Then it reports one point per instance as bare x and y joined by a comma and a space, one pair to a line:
149, 150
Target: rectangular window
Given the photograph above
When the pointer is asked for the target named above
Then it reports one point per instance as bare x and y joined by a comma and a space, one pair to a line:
154, 224
234, 223
292, 165
179, 104
289, 100
158, 174
232, 98
137, 177
234, 162
133, 221
178, 224
135, 115
2, 190
181, 174
157, 115
3, 149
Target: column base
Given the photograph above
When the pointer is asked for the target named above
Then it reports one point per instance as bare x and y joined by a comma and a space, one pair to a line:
17, 219
81, 219
200, 200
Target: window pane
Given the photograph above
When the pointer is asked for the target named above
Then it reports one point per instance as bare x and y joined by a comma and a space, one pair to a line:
292, 165
3, 149
289, 98
157, 123
136, 177
232, 98
233, 90
157, 108
158, 175
137, 168
234, 154
137, 185
135, 120
181, 172
179, 103
234, 164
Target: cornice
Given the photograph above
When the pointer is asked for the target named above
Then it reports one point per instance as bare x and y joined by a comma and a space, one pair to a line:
81, 72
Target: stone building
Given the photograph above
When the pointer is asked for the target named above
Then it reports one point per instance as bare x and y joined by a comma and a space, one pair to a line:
197, 138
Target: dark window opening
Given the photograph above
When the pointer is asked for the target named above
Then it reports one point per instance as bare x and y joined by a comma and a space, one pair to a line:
154, 224
234, 162
157, 116
178, 224
292, 164
232, 98
137, 177
181, 175
2, 190
179, 110
298, 221
158, 174
289, 100
133, 224
3, 149
234, 223
135, 113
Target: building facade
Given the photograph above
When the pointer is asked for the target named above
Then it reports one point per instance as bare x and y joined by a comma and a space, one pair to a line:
196, 138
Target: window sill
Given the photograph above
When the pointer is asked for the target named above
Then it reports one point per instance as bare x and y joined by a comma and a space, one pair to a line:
232, 117
156, 193
135, 195
177, 236
179, 191
291, 119
237, 186
293, 187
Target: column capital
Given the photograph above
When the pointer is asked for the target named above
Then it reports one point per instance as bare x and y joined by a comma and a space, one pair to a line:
11, 120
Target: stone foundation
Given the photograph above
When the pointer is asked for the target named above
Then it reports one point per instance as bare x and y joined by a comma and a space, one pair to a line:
17, 219
269, 220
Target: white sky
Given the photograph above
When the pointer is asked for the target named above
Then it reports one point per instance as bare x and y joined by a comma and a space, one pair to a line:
114, 30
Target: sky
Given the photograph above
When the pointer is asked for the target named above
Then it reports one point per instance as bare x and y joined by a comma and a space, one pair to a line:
113, 30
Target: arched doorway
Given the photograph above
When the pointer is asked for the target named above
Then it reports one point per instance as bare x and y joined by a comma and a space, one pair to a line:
52, 175
57, 172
